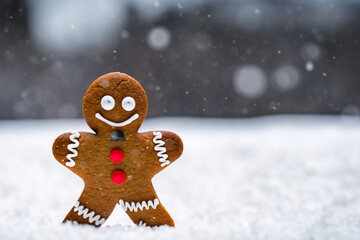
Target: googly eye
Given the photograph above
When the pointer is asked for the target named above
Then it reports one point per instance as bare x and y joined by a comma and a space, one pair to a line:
128, 104
107, 102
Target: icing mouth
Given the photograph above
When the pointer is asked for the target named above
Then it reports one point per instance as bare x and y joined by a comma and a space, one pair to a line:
120, 124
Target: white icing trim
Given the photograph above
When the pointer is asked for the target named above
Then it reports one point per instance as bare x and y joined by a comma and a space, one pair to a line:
142, 224
134, 206
121, 124
160, 149
128, 104
86, 214
72, 148
107, 102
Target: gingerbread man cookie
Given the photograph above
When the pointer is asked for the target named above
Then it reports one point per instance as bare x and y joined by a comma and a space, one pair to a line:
117, 162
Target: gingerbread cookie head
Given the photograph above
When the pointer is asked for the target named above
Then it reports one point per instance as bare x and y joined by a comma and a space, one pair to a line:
115, 102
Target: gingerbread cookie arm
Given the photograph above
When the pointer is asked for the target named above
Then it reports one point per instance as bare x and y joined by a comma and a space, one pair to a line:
166, 147
66, 149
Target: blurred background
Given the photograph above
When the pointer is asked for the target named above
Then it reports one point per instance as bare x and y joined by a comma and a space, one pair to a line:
205, 58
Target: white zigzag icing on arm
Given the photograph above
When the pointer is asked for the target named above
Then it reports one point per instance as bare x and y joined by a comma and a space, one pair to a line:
135, 206
81, 210
160, 149
72, 148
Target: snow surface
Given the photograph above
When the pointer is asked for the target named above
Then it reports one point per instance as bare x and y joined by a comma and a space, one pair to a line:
262, 178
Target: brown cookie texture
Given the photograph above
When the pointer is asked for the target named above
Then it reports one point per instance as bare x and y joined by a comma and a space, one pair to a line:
117, 162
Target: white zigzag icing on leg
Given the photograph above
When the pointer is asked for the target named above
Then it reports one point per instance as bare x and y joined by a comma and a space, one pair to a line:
86, 214
134, 206
160, 149
142, 224
72, 148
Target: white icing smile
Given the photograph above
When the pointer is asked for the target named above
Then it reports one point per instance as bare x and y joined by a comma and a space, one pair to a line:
120, 124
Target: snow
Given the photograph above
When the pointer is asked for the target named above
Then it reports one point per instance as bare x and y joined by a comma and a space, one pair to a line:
262, 178
285, 78
67, 29
159, 38
309, 66
310, 52
250, 81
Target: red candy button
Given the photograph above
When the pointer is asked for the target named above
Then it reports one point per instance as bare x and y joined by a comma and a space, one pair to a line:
116, 155
118, 176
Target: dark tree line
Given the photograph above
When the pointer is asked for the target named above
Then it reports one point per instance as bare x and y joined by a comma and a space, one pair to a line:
194, 75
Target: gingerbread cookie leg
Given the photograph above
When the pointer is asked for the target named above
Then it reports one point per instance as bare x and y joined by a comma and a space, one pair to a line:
152, 217
148, 211
90, 209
